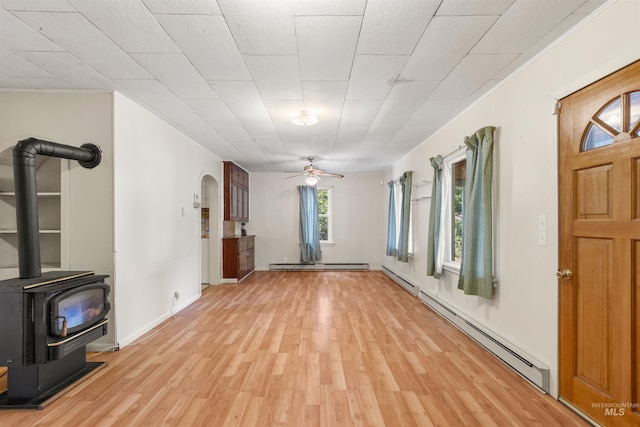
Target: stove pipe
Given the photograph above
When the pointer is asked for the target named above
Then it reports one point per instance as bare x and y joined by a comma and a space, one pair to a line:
24, 174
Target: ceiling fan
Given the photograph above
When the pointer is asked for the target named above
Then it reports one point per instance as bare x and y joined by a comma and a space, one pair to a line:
313, 174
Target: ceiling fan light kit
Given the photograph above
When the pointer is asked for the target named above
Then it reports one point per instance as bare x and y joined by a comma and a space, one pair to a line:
313, 174
304, 119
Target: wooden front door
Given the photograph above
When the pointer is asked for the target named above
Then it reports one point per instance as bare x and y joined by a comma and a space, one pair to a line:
599, 265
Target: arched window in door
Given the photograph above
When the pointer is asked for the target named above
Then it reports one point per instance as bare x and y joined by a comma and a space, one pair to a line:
616, 121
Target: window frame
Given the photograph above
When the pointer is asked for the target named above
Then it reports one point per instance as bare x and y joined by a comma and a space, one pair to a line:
450, 264
328, 215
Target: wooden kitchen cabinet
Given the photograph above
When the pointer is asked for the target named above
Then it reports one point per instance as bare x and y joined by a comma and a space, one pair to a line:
237, 256
236, 193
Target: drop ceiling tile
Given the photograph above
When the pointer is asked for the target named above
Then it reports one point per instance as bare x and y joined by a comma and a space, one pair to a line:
393, 27
328, 7
13, 65
328, 57
443, 45
315, 66
73, 32
482, 91
524, 23
359, 113
130, 24
194, 126
243, 99
403, 100
275, 76
67, 67
191, 7
282, 112
348, 136
568, 23
39, 5
373, 76
339, 34
153, 93
431, 112
218, 116
33, 83
472, 72
324, 98
261, 27
18, 36
175, 72
208, 43
473, 7
326, 127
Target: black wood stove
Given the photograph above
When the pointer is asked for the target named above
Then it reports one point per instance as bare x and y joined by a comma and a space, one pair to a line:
46, 320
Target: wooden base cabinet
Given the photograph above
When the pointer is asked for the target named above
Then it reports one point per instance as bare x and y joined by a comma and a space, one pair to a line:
237, 257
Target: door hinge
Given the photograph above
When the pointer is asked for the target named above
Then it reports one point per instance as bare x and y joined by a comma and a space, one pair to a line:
557, 108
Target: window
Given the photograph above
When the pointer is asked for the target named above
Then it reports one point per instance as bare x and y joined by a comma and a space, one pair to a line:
458, 175
324, 215
454, 176
461, 215
617, 121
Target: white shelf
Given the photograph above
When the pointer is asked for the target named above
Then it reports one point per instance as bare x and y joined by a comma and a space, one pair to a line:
41, 194
41, 231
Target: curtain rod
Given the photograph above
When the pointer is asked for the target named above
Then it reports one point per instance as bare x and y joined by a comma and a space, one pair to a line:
453, 151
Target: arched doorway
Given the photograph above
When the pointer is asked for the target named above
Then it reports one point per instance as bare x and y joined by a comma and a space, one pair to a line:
209, 232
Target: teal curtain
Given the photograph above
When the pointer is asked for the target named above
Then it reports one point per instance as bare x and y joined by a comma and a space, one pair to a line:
392, 243
405, 212
309, 230
476, 268
435, 245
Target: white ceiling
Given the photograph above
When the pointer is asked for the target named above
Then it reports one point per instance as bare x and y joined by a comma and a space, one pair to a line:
381, 75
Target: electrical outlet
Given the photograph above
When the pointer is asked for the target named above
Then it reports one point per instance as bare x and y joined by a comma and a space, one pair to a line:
176, 295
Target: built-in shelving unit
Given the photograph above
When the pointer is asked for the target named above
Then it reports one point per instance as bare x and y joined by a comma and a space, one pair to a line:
236, 193
48, 172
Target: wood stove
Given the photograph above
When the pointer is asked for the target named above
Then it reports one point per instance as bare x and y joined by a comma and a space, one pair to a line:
46, 320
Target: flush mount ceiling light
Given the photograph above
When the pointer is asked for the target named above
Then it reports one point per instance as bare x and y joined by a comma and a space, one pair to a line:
304, 119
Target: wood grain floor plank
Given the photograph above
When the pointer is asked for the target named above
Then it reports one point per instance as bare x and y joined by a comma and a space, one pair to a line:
301, 349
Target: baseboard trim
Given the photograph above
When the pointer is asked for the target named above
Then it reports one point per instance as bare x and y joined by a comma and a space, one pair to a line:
407, 285
318, 266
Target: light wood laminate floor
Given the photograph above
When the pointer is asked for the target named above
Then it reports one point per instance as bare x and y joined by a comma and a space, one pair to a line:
302, 349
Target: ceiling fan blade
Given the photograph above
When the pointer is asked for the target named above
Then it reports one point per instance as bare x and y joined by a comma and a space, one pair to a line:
293, 176
334, 175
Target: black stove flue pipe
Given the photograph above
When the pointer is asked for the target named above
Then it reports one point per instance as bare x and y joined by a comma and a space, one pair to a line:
24, 174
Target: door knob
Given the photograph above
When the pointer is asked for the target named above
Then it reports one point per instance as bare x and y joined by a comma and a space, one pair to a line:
564, 274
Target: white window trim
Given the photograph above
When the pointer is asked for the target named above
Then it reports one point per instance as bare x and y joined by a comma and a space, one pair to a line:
447, 208
329, 242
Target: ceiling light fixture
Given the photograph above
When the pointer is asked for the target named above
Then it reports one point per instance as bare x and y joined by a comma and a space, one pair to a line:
311, 180
304, 119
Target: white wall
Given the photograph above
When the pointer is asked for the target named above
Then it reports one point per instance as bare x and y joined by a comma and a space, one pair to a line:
157, 230
525, 308
358, 220
87, 195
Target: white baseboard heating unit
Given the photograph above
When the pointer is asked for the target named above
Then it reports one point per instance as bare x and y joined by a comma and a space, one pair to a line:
318, 266
408, 286
518, 360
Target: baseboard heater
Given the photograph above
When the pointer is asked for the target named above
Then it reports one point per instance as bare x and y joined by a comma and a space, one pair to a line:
408, 286
525, 365
318, 266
